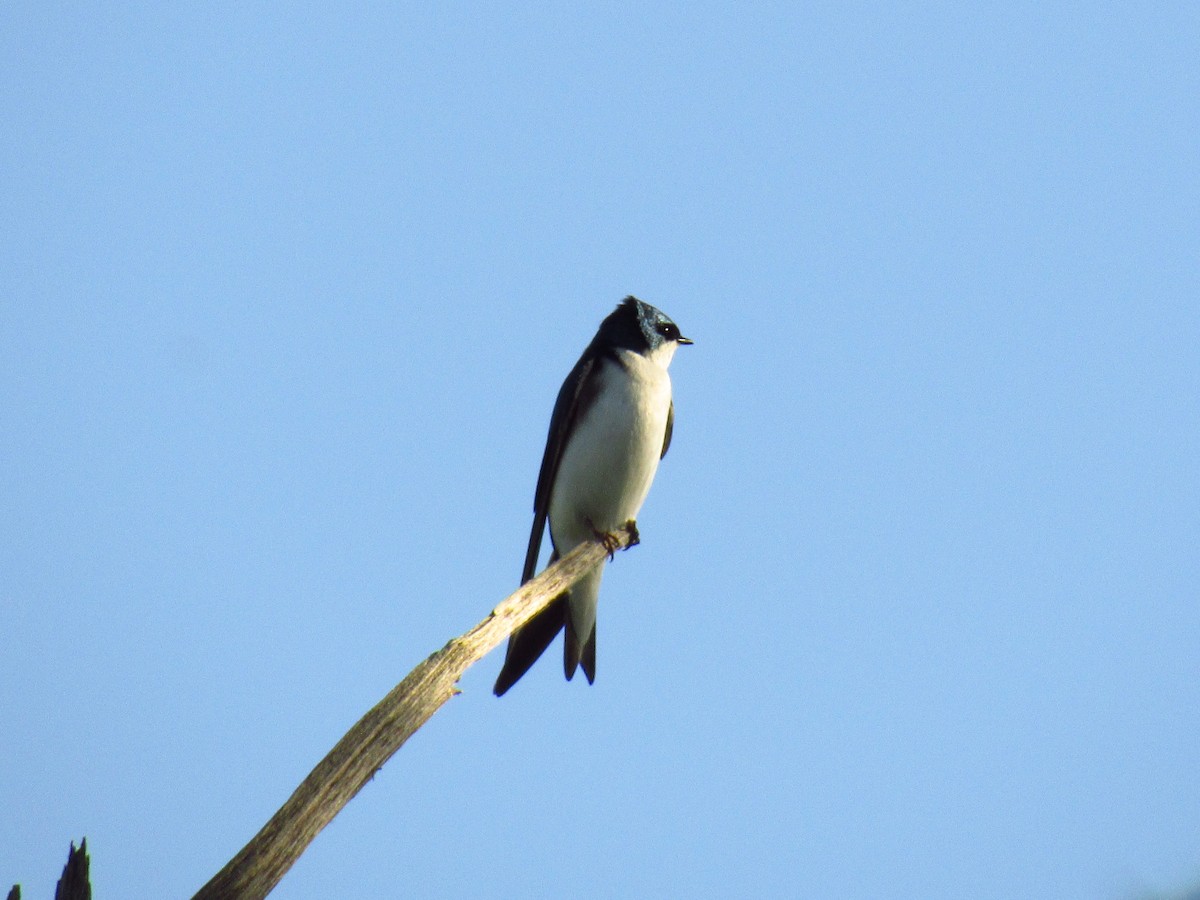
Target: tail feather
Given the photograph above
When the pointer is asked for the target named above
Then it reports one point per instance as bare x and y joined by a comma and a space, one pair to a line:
579, 647
588, 659
579, 655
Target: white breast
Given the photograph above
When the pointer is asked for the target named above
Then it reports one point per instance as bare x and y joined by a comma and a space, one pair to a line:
610, 460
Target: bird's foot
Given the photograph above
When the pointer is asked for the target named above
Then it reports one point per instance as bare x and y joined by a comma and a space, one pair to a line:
632, 530
612, 541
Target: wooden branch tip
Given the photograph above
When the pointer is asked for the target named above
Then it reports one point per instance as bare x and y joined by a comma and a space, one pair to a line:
258, 867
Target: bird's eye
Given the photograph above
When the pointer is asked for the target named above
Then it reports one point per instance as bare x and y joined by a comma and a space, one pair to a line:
668, 330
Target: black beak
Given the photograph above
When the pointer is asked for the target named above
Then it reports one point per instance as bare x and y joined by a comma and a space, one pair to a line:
682, 340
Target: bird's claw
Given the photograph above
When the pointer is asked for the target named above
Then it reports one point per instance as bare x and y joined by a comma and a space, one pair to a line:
612, 541
632, 530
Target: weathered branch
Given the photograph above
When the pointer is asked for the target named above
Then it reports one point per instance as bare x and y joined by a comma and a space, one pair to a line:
258, 867
75, 883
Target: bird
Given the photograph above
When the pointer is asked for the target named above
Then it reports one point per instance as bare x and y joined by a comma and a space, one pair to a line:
612, 423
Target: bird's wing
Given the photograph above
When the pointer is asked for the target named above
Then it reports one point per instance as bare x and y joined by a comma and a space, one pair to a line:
574, 398
527, 644
670, 429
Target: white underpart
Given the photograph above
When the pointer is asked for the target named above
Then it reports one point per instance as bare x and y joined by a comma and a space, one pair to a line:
609, 463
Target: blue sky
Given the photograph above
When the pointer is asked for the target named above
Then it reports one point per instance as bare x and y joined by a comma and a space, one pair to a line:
288, 292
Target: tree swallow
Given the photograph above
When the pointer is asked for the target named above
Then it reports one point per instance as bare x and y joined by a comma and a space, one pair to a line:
611, 425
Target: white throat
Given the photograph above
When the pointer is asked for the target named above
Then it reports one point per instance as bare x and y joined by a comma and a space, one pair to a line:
662, 354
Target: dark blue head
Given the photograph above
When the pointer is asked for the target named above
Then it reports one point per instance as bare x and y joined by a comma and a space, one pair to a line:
638, 326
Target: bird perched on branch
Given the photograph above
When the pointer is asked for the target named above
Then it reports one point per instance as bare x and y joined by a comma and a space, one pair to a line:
611, 425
